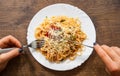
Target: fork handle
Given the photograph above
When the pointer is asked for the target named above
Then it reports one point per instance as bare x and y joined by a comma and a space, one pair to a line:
6, 50
9, 49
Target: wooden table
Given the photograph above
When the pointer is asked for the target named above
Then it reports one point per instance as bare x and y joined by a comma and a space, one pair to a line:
15, 16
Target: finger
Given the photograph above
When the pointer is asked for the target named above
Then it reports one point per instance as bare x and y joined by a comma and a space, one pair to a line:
117, 50
4, 42
15, 41
103, 55
9, 55
110, 52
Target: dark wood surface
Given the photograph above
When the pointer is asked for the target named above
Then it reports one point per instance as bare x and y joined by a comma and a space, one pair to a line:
15, 16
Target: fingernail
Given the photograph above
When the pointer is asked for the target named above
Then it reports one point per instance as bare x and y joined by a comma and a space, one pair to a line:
20, 50
94, 43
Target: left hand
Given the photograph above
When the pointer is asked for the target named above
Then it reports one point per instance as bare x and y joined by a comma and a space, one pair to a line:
7, 42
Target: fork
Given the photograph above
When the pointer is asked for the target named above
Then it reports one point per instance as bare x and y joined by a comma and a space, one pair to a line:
87, 46
34, 44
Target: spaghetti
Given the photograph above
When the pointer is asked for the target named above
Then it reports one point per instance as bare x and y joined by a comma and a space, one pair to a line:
62, 35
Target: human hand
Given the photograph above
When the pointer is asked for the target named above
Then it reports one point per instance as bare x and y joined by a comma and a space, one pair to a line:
111, 57
6, 42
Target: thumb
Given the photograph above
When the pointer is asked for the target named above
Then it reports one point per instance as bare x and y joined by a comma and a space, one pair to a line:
9, 55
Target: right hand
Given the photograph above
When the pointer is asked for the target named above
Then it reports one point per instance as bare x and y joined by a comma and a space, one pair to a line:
111, 57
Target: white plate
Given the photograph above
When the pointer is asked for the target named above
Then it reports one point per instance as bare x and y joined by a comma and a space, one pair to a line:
67, 10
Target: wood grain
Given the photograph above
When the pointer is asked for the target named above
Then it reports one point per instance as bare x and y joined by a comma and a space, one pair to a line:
15, 16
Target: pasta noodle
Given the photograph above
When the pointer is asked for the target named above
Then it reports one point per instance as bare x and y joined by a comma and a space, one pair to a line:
63, 38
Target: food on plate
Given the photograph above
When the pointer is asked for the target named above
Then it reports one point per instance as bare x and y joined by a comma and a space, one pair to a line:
63, 38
